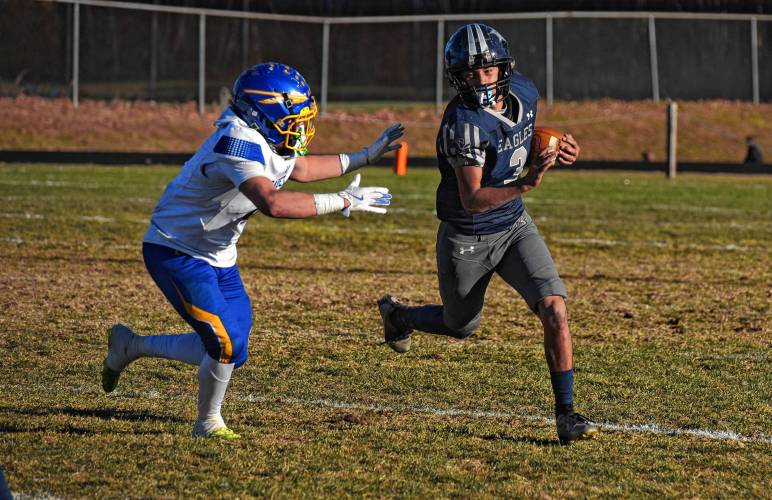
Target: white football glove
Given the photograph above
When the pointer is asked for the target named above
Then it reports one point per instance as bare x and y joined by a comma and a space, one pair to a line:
366, 199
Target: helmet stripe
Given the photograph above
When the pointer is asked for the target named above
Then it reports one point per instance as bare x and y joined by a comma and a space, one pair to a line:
483, 44
470, 41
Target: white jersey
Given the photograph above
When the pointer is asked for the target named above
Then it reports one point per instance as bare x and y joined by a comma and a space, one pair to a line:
202, 212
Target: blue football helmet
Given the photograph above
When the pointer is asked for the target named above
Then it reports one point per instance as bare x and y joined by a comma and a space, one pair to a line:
478, 46
276, 100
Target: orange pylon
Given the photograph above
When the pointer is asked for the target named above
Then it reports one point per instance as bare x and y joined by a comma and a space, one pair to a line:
400, 160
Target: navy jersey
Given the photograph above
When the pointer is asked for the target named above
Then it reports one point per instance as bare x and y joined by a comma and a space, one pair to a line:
500, 143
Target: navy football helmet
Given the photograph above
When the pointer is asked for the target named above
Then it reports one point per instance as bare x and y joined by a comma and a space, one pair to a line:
276, 100
478, 46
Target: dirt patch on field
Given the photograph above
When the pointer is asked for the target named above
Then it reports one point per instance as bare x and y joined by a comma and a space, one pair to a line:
607, 130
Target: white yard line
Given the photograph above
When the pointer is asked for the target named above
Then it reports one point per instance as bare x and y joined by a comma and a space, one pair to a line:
648, 428
37, 496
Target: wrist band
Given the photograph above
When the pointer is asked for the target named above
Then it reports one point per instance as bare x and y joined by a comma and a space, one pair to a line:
345, 163
353, 161
328, 203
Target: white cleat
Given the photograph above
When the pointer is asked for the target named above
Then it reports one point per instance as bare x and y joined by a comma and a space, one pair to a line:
120, 352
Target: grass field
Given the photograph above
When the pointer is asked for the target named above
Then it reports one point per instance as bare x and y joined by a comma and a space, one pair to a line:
670, 287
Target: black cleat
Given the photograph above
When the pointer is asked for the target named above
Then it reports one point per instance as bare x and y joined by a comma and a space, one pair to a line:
395, 334
120, 352
573, 426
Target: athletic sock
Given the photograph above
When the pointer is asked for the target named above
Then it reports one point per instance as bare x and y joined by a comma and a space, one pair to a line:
427, 319
563, 388
186, 347
213, 379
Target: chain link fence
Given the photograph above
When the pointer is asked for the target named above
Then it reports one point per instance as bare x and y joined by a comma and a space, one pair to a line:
105, 50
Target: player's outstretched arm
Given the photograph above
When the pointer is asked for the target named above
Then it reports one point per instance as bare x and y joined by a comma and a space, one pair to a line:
296, 205
316, 168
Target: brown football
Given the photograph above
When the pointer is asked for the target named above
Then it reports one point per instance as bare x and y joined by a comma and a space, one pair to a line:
544, 137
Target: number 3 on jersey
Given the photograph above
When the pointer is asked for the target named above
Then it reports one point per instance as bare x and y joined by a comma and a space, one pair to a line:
517, 162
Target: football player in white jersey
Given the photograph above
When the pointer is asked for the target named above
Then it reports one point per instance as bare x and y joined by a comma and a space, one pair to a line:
259, 143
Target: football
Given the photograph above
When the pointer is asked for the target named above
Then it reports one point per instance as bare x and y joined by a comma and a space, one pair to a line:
544, 137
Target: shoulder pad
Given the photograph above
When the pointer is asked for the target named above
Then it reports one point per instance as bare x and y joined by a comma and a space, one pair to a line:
523, 87
239, 148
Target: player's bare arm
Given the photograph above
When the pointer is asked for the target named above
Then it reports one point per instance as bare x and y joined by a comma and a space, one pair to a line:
279, 203
297, 205
476, 199
316, 168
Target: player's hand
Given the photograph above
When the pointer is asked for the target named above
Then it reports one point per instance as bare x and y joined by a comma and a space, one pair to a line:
372, 153
384, 143
568, 150
366, 199
544, 161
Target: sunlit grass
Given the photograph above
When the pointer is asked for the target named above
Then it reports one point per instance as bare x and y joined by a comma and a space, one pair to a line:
669, 285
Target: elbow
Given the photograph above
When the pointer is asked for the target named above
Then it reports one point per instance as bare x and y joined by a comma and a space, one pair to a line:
270, 211
275, 211
271, 207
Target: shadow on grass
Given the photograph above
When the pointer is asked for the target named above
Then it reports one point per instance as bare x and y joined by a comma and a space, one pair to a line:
258, 267
409, 271
505, 438
10, 429
104, 414
521, 439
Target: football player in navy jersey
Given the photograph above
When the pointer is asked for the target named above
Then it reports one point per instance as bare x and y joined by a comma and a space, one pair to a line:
483, 147
260, 141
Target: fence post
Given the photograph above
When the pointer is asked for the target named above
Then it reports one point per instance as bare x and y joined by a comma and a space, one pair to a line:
325, 63
672, 138
201, 61
153, 53
75, 54
245, 38
548, 62
440, 66
653, 62
755, 60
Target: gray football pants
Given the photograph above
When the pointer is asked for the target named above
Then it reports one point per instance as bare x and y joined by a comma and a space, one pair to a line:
466, 263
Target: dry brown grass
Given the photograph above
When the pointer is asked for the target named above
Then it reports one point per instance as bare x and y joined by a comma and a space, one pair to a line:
712, 131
